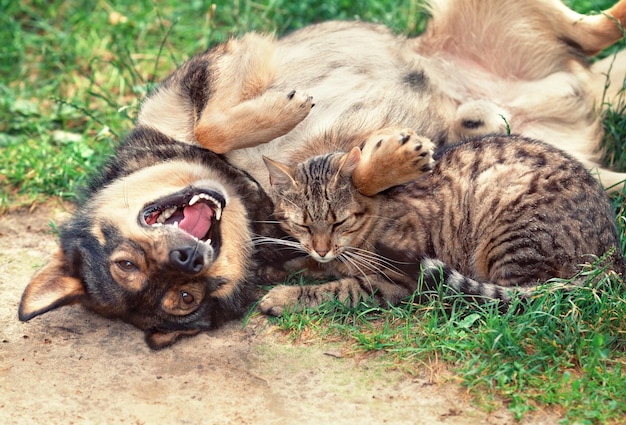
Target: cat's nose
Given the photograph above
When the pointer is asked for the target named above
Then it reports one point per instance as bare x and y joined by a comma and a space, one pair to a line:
321, 252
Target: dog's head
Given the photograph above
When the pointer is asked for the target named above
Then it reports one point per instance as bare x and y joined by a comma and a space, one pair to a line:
166, 248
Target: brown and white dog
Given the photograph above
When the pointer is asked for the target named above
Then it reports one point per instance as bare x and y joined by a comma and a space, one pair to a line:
170, 236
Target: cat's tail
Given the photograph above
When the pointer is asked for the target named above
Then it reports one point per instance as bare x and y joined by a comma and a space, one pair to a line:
437, 274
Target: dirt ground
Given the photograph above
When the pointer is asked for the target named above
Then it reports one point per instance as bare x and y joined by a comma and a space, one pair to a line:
72, 367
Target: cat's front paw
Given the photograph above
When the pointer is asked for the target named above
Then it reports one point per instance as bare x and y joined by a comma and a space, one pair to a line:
392, 157
279, 299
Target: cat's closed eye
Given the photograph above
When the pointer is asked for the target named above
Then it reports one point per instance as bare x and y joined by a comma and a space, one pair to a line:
301, 227
338, 224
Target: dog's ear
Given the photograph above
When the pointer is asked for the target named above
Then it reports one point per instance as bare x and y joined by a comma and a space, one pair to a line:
50, 288
160, 339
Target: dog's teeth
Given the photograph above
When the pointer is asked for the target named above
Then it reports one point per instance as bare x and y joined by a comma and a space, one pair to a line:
194, 200
167, 213
218, 213
175, 224
209, 198
208, 241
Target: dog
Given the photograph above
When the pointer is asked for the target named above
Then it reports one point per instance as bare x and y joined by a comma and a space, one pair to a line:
163, 240
170, 237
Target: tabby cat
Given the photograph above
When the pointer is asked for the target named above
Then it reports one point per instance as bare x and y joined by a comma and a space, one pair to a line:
494, 216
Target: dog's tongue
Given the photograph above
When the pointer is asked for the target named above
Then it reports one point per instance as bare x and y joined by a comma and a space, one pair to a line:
197, 220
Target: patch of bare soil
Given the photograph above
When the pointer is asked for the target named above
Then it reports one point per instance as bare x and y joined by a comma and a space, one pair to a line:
71, 366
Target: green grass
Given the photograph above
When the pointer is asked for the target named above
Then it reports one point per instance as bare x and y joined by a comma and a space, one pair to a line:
72, 74
565, 350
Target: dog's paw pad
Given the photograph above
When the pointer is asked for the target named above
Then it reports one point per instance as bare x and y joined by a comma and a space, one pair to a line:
393, 147
391, 157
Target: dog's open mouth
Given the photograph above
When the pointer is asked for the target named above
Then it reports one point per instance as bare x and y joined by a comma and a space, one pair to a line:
195, 211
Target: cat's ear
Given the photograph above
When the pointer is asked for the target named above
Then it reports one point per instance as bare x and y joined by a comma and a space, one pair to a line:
280, 174
349, 162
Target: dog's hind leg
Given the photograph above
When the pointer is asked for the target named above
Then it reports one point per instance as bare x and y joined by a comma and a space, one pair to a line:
611, 180
242, 109
593, 33
547, 35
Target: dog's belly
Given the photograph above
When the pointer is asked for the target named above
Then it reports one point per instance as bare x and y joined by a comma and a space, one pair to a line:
362, 78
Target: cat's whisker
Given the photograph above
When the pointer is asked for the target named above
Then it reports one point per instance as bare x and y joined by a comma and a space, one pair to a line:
366, 243
283, 247
263, 240
283, 239
365, 263
377, 258
259, 238
349, 261
280, 246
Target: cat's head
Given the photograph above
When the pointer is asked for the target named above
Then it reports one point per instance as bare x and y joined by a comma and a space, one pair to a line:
317, 203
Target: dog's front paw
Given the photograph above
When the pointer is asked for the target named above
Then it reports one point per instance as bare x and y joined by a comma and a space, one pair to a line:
392, 157
301, 100
297, 106
401, 149
284, 110
280, 299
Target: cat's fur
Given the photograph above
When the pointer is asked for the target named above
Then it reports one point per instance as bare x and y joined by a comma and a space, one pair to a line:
495, 215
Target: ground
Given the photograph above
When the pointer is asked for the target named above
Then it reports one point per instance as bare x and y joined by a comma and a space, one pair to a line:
72, 367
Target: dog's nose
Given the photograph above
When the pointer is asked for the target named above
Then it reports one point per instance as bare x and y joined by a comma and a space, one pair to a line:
188, 259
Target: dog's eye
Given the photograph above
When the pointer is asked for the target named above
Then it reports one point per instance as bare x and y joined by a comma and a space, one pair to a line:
186, 297
126, 265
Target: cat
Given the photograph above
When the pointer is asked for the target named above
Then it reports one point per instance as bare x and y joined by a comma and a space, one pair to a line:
495, 215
